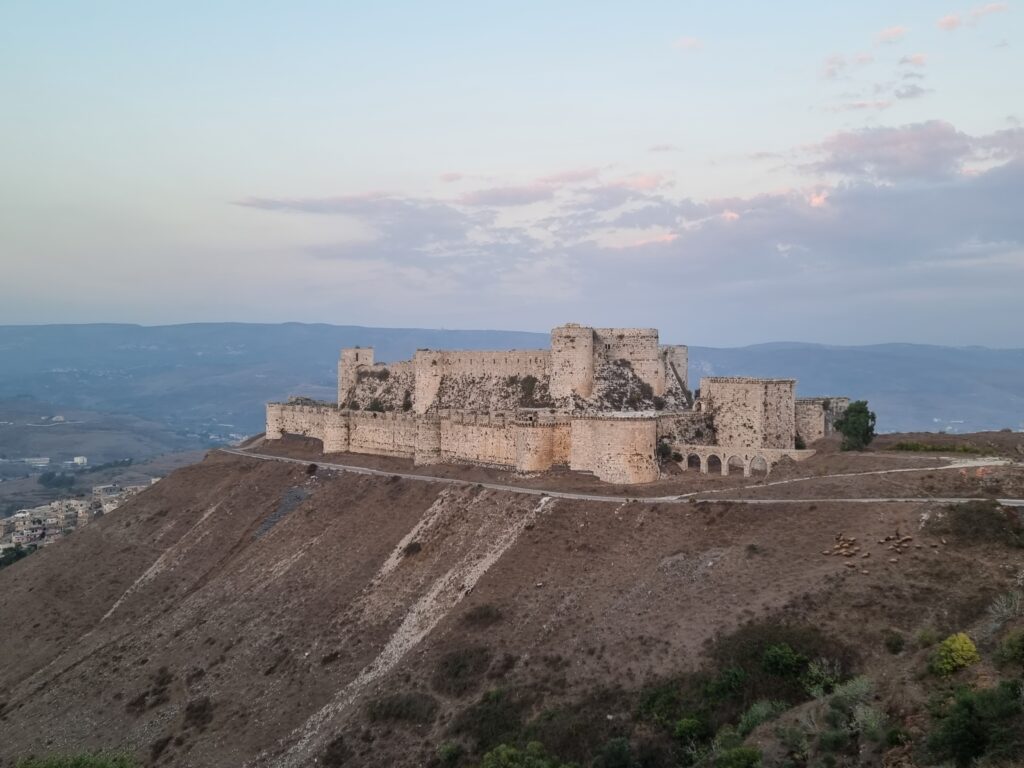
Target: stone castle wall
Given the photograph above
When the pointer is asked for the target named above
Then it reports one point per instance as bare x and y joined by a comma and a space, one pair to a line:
478, 438
815, 416
751, 413
615, 449
639, 346
570, 420
382, 434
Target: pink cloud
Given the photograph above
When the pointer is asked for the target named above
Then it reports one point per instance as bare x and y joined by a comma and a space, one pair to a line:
914, 60
818, 199
507, 196
864, 58
451, 176
987, 9
892, 34
570, 177
669, 237
729, 215
640, 182
688, 44
954, 21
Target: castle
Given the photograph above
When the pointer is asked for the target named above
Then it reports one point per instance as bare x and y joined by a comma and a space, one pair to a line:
610, 401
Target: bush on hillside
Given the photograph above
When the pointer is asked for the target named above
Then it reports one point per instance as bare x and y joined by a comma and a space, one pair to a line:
986, 723
954, 653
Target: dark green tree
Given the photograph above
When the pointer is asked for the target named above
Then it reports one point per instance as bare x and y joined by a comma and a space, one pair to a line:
857, 426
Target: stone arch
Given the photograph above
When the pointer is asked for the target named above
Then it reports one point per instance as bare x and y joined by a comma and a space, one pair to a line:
693, 461
714, 464
735, 462
759, 466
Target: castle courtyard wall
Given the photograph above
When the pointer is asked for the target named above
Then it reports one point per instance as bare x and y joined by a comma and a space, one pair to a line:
615, 449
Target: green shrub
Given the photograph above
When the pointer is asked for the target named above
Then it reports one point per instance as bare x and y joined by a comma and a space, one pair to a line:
821, 677
926, 638
894, 642
799, 443
495, 718
979, 724
851, 693
868, 722
449, 753
533, 756
407, 401
376, 406
783, 661
461, 670
1011, 649
759, 712
690, 730
403, 707
739, 757
97, 760
616, 753
834, 740
663, 451
954, 653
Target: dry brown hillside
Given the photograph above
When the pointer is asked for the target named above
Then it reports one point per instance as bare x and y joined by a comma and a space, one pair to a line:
254, 613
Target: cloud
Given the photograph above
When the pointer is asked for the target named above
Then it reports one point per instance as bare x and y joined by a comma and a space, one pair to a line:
891, 35
930, 151
688, 44
663, 148
570, 177
914, 60
834, 66
860, 105
989, 8
954, 21
640, 181
888, 217
451, 176
507, 196
911, 91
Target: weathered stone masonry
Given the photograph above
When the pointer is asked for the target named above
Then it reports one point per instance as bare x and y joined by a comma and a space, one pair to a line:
600, 400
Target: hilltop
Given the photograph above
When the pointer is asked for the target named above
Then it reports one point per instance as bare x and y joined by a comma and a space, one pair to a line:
256, 612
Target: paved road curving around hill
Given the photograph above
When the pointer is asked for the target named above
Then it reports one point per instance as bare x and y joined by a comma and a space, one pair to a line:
674, 499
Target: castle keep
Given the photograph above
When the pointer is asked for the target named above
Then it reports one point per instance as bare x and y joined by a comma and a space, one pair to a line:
609, 401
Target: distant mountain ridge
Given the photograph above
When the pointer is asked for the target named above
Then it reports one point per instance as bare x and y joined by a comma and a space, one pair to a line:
199, 374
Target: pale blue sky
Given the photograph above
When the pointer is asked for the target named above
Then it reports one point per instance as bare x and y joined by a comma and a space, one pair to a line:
729, 172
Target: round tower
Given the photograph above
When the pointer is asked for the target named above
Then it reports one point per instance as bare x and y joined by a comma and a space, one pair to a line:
572, 360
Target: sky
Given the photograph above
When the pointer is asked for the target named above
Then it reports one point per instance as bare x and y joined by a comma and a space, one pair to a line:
729, 172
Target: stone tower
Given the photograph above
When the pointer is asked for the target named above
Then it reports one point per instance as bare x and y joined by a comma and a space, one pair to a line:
572, 360
349, 361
